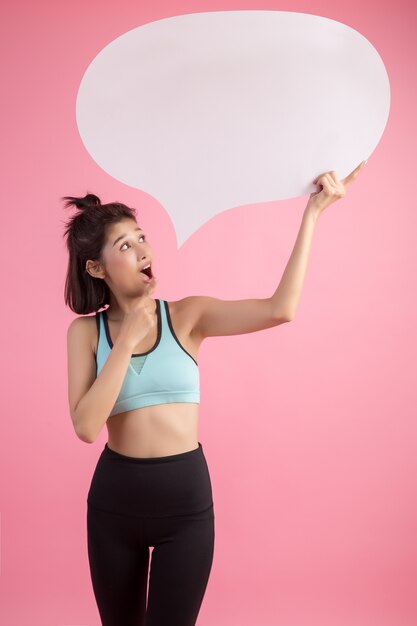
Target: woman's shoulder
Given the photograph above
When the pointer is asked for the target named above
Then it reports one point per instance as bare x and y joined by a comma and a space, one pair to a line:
85, 325
184, 313
187, 306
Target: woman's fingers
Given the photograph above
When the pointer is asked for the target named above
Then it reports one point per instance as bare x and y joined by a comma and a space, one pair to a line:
354, 173
332, 188
328, 184
326, 180
333, 175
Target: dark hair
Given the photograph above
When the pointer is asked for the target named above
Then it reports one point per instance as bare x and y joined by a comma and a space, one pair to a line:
86, 233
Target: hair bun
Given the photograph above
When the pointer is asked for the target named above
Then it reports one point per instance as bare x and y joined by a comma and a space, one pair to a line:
88, 201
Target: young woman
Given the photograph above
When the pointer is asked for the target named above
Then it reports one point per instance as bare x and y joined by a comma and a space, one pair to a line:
133, 366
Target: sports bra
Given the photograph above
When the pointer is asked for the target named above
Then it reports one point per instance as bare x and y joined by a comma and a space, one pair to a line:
165, 373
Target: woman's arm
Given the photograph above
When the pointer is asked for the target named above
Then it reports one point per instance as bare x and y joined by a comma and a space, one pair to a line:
214, 317
91, 398
287, 295
288, 292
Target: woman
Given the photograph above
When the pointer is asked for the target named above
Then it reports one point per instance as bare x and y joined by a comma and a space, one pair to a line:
133, 367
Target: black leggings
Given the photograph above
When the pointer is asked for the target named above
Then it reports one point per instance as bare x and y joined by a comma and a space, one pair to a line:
135, 503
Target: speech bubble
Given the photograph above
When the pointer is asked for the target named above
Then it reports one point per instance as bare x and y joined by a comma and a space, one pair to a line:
209, 111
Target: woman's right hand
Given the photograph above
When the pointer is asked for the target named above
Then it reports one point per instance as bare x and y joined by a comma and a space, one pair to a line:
140, 321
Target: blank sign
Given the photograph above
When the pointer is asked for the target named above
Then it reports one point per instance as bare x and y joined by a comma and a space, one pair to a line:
209, 111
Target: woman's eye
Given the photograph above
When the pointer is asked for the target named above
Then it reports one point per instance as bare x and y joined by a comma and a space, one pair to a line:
126, 243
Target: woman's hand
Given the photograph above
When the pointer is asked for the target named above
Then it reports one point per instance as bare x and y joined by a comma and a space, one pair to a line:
332, 189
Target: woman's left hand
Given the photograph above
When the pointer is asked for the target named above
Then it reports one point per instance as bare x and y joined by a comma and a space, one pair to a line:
332, 189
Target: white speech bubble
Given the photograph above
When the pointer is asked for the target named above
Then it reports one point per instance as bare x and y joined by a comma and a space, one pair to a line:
208, 111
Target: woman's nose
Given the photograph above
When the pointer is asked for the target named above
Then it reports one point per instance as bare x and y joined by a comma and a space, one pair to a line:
141, 255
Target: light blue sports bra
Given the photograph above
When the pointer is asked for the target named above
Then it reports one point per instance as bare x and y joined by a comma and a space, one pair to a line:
166, 373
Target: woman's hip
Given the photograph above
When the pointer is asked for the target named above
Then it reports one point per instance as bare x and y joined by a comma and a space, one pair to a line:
167, 486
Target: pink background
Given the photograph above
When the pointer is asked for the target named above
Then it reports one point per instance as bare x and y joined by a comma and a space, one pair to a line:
309, 428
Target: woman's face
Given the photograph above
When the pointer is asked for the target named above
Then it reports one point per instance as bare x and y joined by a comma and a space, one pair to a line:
125, 253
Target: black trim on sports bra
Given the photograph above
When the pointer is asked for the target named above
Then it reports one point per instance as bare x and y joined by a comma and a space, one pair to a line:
158, 337
173, 332
98, 327
98, 337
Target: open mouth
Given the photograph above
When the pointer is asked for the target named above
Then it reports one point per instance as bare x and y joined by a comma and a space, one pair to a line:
148, 272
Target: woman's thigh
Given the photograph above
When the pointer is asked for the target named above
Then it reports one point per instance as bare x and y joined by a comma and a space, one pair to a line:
180, 568
119, 563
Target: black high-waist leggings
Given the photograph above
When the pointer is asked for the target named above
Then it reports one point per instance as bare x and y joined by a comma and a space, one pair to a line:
137, 503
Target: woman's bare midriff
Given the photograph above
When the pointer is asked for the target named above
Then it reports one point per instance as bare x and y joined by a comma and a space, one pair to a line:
158, 430
162, 429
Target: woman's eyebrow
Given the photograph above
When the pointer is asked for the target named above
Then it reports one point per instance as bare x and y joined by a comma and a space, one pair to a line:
125, 235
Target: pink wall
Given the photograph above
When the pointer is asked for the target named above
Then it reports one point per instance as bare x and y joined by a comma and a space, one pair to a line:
309, 428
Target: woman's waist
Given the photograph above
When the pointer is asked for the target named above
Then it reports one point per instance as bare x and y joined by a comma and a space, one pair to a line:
152, 431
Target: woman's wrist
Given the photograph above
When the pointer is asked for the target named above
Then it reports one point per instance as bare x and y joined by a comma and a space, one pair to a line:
313, 211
